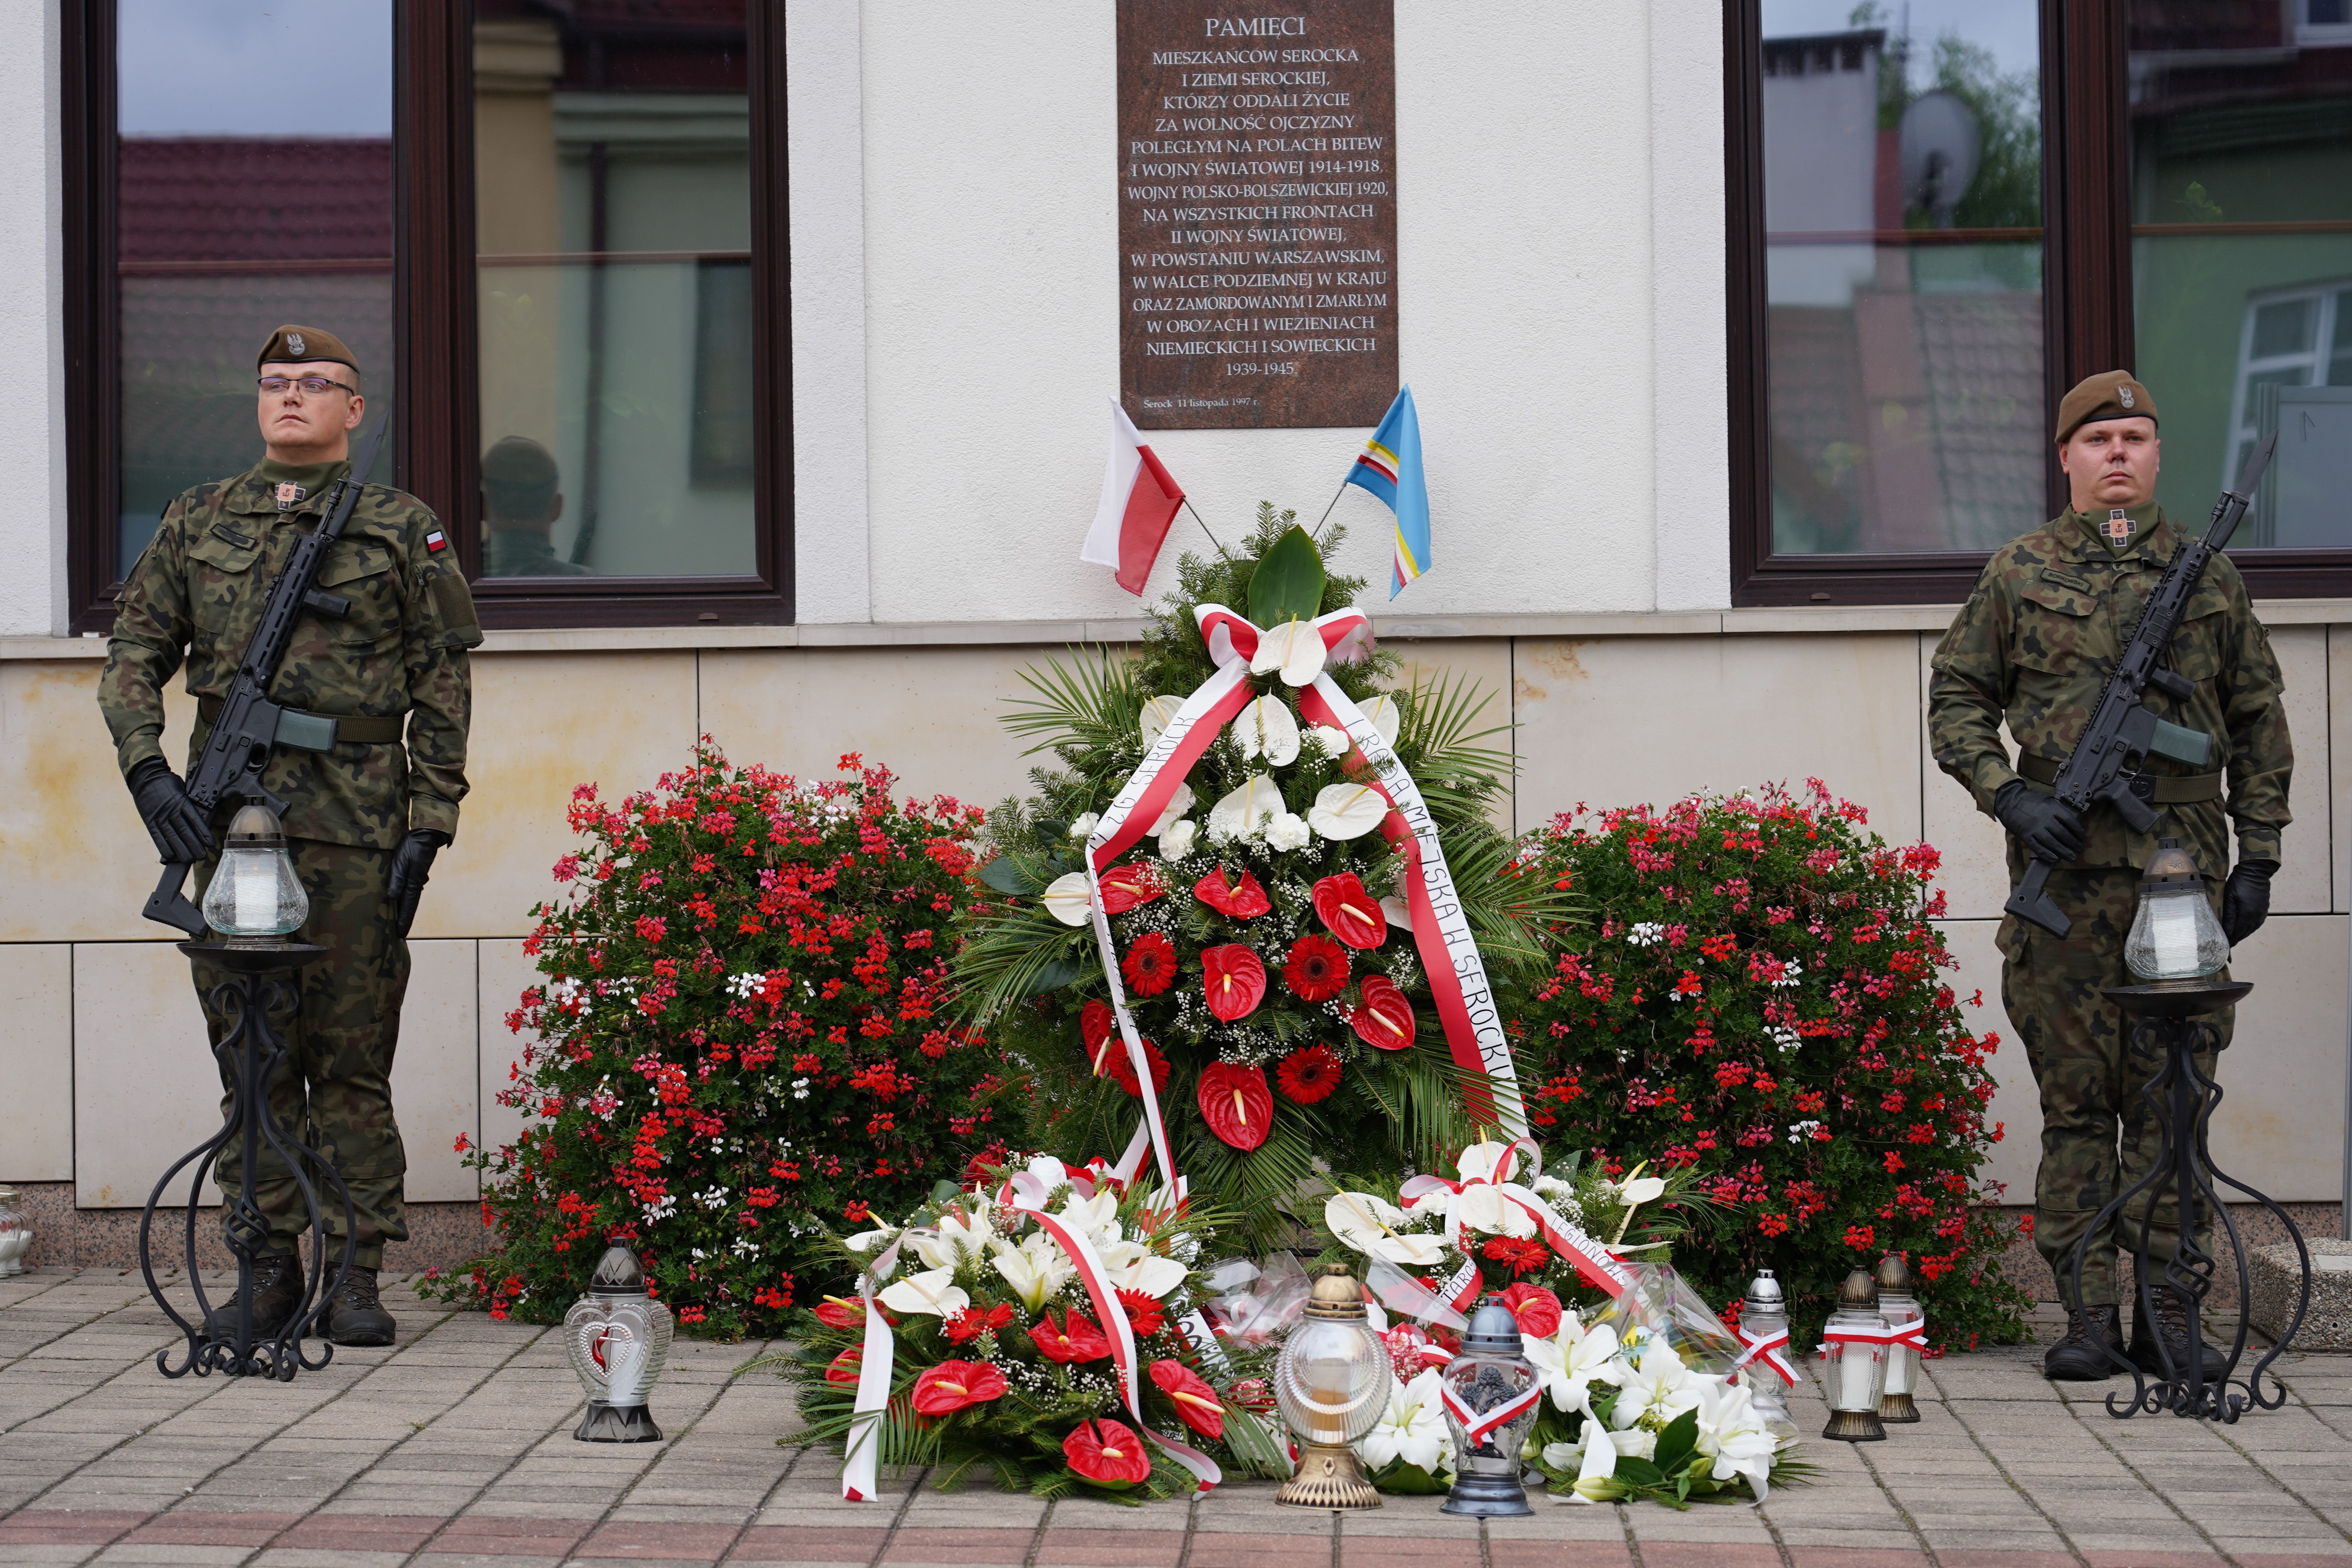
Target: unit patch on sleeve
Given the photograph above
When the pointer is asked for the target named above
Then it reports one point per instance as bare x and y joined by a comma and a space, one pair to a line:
436, 541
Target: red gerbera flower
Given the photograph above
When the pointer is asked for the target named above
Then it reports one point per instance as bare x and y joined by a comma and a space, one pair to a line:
1150, 964
1197, 1404
1537, 1308
1145, 1317
1121, 1066
1233, 980
1523, 1256
1107, 1453
1308, 1075
953, 1384
1317, 969
1075, 1339
969, 1325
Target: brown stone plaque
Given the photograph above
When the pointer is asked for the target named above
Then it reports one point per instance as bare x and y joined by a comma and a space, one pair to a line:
1256, 213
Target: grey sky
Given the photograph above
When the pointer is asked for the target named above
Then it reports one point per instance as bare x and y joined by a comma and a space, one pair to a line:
254, 68
2011, 29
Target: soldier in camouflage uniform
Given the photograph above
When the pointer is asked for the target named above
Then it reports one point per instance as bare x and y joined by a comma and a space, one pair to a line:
364, 820
2034, 645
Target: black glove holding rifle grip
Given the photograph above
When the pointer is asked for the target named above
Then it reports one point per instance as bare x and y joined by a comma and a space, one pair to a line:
182, 831
412, 863
2046, 826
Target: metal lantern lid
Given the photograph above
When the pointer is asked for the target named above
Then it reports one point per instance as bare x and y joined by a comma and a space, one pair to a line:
1764, 1290
1494, 1330
618, 1273
1337, 1295
1859, 1293
1894, 1276
2171, 866
255, 826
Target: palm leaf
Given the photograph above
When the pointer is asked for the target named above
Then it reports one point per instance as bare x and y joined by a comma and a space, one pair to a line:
1089, 705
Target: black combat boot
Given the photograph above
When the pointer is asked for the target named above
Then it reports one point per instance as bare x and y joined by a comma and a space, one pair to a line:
2082, 1356
355, 1316
2172, 1324
277, 1285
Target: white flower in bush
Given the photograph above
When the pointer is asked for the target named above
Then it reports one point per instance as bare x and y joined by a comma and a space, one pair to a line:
1287, 832
1412, 1428
1176, 840
1332, 740
1647, 933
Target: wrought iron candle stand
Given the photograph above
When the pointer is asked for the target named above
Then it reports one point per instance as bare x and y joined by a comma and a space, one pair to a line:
2183, 1099
250, 1053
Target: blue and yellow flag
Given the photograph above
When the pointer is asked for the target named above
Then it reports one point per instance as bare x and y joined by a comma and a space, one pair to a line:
1389, 467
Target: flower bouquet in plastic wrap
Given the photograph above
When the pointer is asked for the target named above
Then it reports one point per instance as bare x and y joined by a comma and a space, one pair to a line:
1041, 1329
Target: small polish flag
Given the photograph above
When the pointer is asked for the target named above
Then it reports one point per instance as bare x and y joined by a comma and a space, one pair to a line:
1139, 501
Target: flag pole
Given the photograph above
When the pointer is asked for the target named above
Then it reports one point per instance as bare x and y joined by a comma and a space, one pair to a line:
1335, 501
1204, 529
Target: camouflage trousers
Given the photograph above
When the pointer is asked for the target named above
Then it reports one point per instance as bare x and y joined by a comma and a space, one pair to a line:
334, 1087
2098, 1133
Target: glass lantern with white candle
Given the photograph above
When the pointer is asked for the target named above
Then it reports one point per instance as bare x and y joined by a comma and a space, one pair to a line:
16, 1233
1853, 1369
1908, 1319
2175, 935
254, 897
1332, 1383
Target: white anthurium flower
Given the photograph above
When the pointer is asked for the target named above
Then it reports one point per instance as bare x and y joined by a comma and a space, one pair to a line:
1085, 825
1412, 1428
1732, 1435
1178, 804
1068, 899
1345, 811
1035, 1272
1574, 1359
1176, 840
1154, 1277
1159, 713
1330, 740
933, 1292
1385, 715
871, 1240
1286, 832
1636, 1191
1370, 1226
1658, 1382
1397, 912
1266, 729
1293, 648
1248, 808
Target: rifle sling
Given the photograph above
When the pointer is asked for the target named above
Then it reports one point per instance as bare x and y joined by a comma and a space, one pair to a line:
2171, 789
350, 728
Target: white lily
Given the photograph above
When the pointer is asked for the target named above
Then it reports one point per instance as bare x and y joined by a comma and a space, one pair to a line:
1385, 715
1293, 648
1035, 1272
1097, 1218
1369, 1224
1266, 729
1345, 811
1248, 808
1176, 840
1159, 713
1574, 1359
933, 1292
1068, 899
1595, 1454
1659, 1382
1412, 1428
1178, 804
1733, 1436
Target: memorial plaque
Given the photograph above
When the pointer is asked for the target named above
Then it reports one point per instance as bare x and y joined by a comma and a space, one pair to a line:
1256, 213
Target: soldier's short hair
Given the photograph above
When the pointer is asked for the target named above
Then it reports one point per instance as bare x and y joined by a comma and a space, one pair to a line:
519, 480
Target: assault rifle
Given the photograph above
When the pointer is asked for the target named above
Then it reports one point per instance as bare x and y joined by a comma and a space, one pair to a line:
250, 724
2105, 762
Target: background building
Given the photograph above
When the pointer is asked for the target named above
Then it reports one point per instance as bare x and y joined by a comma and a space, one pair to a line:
1735, 330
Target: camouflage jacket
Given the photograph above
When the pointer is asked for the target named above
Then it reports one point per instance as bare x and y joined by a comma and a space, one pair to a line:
2034, 645
197, 592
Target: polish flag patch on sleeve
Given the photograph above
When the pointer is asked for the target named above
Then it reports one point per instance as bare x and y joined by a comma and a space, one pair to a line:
436, 541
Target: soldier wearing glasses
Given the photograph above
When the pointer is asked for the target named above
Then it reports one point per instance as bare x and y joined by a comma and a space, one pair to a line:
364, 820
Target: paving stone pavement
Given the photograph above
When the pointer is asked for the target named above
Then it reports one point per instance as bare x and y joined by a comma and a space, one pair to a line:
454, 1446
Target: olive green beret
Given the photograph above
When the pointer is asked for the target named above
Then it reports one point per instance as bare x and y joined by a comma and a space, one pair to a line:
2110, 395
302, 345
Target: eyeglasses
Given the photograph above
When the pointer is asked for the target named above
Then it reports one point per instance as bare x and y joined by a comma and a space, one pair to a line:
311, 385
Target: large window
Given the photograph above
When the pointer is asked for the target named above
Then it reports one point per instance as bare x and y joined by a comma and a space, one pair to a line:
1946, 212
557, 245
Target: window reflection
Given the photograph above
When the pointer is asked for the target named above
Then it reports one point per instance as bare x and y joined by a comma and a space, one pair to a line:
2241, 255
235, 213
613, 222
1903, 218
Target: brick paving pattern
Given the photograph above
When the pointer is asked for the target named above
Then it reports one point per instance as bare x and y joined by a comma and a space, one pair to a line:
454, 1446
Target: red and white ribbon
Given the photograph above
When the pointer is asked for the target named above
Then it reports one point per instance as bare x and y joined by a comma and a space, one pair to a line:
1911, 1333
1478, 1425
1767, 1348
1590, 1258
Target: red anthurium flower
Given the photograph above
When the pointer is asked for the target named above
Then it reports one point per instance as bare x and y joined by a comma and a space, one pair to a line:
969, 1325
1197, 1404
1236, 1104
1234, 981
835, 1312
1149, 964
844, 1367
1242, 900
1107, 1453
1097, 1023
1317, 969
1124, 887
1075, 1339
1353, 914
1121, 1066
1537, 1308
1309, 1075
952, 1384
1386, 1018
1145, 1317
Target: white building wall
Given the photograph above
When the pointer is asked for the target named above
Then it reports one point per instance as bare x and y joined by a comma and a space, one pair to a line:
32, 421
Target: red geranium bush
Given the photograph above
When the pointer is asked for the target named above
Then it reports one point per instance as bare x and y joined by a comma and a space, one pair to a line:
1758, 998
738, 1043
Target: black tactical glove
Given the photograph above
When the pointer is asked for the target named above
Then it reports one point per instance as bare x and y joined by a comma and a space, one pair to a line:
2246, 898
412, 863
182, 833
2045, 825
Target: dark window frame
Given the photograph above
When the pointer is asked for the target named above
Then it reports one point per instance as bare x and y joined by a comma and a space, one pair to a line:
433, 331
2087, 314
